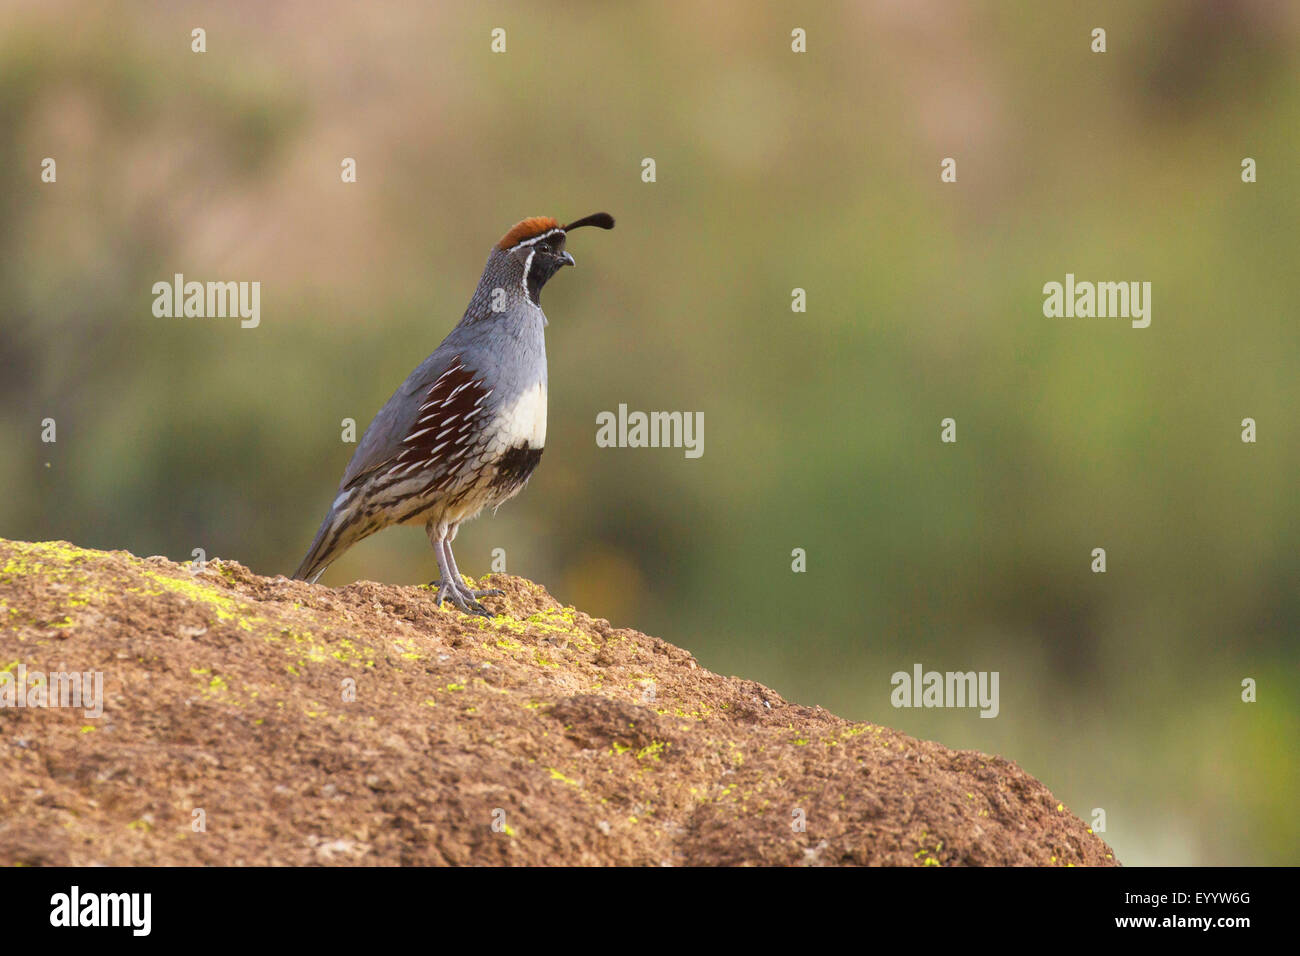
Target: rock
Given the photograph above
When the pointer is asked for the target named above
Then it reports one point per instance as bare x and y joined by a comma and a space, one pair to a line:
254, 720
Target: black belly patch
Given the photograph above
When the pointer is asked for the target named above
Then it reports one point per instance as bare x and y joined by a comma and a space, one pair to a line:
515, 467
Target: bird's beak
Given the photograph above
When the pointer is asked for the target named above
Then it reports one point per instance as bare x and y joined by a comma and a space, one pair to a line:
566, 258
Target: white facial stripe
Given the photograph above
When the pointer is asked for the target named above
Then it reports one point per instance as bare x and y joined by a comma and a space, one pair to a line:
528, 264
539, 237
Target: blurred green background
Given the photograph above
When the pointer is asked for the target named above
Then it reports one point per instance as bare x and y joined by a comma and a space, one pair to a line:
775, 170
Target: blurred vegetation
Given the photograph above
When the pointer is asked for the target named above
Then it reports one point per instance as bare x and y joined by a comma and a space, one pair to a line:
775, 171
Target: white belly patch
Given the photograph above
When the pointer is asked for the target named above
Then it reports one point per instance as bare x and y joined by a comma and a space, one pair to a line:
524, 421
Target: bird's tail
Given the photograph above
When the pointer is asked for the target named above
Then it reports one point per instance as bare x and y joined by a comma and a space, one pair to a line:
337, 533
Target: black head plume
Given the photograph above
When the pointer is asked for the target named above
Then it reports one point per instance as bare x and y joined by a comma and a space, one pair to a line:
602, 219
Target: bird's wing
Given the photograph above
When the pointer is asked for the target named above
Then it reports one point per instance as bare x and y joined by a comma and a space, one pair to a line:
428, 426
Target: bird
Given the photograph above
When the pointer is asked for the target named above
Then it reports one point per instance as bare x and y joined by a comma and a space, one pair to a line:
467, 428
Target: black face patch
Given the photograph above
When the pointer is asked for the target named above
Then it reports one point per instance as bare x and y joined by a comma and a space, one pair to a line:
545, 263
515, 467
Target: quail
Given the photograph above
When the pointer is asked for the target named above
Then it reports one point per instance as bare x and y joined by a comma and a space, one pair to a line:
466, 429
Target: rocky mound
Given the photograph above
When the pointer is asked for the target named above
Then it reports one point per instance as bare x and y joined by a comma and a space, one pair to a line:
252, 720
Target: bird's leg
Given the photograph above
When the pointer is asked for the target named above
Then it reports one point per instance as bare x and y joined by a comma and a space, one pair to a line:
451, 559
449, 586
445, 543
437, 534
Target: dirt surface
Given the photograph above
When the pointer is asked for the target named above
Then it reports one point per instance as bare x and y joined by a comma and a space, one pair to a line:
543, 736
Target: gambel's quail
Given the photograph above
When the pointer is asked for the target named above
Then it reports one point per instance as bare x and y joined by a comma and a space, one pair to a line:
466, 429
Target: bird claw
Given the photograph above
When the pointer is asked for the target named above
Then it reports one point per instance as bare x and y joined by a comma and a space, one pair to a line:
462, 598
465, 589
474, 607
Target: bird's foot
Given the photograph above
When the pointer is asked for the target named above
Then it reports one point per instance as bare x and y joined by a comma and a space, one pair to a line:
462, 598
484, 592
466, 589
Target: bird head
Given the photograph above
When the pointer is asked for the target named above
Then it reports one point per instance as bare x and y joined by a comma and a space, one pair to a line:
536, 247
